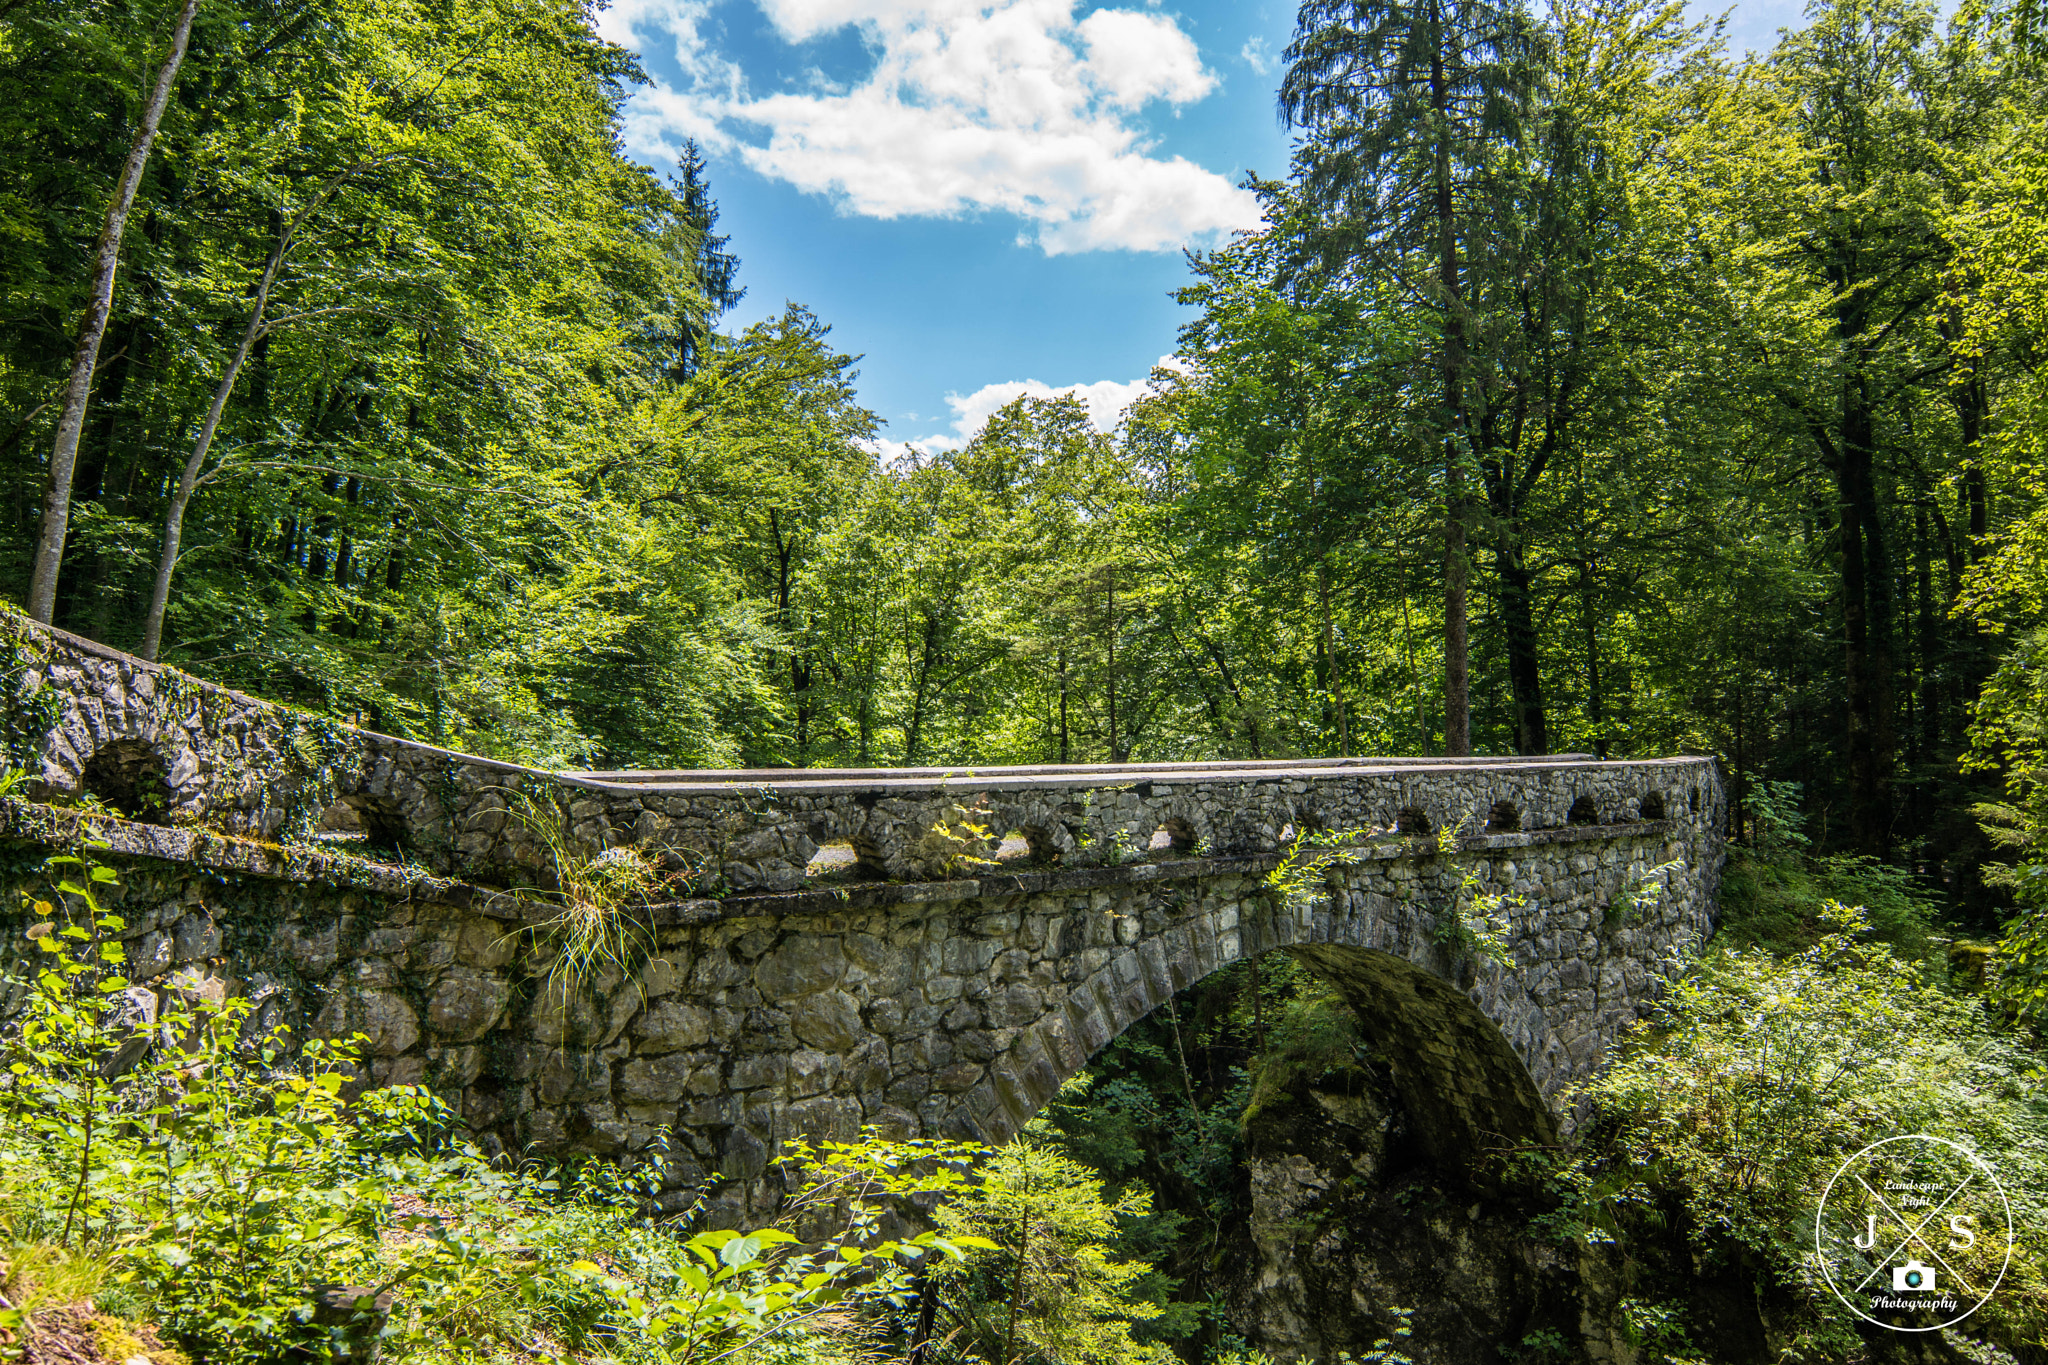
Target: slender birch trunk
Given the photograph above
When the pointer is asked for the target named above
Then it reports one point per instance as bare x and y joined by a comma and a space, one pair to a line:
188, 481
56, 520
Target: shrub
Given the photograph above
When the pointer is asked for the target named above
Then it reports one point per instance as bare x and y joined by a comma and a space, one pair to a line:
1044, 1285
1761, 1074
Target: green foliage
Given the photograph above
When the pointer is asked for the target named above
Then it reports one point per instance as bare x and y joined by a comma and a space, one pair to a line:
208, 1174
1777, 905
1047, 1287
600, 930
1309, 1032
730, 1292
2019, 978
226, 1178
959, 843
1384, 1350
1761, 1074
1162, 1109
1301, 880
1476, 921
1776, 823
1774, 895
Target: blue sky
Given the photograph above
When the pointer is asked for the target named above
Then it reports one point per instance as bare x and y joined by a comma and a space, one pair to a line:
982, 197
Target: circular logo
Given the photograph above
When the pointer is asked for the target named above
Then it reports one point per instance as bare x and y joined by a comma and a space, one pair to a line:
1914, 1233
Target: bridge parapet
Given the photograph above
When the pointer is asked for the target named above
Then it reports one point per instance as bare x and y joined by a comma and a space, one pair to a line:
171, 749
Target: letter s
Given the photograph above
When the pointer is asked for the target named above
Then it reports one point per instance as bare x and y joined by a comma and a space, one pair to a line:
1959, 1225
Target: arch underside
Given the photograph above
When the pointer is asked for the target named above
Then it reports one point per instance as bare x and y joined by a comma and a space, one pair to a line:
1457, 1074
1466, 1088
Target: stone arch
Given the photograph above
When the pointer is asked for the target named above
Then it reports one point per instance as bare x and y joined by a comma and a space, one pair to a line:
381, 823
1414, 820
1583, 812
1456, 1044
129, 776
1504, 818
1651, 807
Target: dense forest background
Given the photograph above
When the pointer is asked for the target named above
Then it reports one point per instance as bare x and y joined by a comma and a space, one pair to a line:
1636, 397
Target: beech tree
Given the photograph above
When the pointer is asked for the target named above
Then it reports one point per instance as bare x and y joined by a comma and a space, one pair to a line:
56, 520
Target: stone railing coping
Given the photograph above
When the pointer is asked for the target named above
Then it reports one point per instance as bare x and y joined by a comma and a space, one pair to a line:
60, 827
757, 776
930, 781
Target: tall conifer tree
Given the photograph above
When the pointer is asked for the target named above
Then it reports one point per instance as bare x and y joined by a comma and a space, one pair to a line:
714, 267
1408, 107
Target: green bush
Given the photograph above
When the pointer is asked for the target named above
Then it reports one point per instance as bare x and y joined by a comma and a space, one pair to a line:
1045, 1284
1762, 1073
1775, 903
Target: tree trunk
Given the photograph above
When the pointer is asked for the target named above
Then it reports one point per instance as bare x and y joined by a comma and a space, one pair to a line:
1457, 656
42, 591
1969, 650
1330, 661
1017, 1289
1596, 702
1866, 629
1525, 678
1926, 733
188, 481
1114, 756
1414, 679
913, 732
927, 1311
1063, 705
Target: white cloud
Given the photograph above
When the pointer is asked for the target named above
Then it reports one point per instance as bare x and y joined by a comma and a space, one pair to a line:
973, 105
648, 25
1134, 58
1105, 400
1255, 56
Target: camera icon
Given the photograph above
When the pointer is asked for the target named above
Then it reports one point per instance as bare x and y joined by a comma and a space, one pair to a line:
1912, 1277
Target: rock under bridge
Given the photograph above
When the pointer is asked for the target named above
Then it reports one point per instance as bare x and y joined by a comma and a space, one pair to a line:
930, 952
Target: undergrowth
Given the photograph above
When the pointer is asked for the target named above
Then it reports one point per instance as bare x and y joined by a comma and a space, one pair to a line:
1819, 1021
167, 1160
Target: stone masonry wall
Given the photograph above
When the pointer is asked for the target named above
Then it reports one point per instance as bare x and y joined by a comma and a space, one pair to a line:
358, 883
955, 1007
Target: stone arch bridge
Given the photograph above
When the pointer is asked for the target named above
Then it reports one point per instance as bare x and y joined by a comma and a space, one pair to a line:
932, 952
